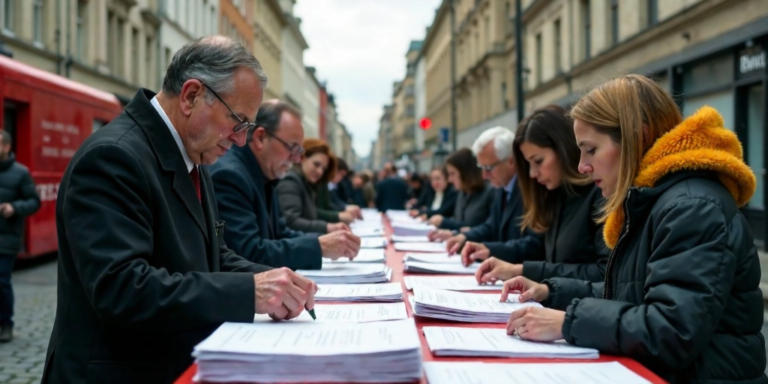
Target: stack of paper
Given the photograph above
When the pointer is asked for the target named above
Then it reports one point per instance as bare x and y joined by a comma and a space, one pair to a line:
290, 352
466, 307
409, 239
349, 313
396, 215
442, 258
369, 255
373, 242
494, 342
368, 232
349, 273
561, 373
421, 247
451, 283
452, 268
359, 292
412, 229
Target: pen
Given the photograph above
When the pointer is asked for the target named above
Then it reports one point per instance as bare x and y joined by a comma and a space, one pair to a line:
312, 313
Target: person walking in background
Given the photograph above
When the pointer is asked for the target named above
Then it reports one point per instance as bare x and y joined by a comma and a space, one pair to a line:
245, 179
18, 199
298, 191
392, 190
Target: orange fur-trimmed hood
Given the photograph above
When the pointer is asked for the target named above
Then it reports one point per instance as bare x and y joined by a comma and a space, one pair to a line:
699, 143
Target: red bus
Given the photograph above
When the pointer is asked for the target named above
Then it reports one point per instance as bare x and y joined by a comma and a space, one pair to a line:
48, 116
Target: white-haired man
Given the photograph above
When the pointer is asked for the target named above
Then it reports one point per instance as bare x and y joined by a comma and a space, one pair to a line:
493, 149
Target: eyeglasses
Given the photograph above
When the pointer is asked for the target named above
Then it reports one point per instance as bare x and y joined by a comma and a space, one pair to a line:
242, 123
489, 168
294, 149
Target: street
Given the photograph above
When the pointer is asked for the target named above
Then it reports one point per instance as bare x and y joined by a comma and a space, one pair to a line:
22, 360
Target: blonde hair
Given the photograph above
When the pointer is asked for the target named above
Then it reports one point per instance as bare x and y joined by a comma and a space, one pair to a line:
634, 111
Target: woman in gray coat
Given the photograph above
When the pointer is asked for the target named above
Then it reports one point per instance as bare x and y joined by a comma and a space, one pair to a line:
297, 192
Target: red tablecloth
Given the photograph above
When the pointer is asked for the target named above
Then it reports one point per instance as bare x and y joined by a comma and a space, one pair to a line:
395, 261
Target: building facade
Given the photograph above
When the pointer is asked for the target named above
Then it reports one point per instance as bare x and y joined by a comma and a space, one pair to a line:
182, 21
236, 20
111, 45
311, 104
268, 24
292, 64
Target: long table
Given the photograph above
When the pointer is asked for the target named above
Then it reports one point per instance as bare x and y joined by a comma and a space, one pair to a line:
395, 261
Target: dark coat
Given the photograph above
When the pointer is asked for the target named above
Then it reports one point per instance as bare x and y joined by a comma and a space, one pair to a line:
17, 188
391, 193
681, 292
503, 226
298, 203
447, 206
254, 230
471, 209
144, 274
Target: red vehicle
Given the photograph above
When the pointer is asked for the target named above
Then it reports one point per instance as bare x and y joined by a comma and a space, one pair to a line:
48, 116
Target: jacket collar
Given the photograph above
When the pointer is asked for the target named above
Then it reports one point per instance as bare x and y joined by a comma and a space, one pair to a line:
7, 163
251, 164
698, 147
166, 150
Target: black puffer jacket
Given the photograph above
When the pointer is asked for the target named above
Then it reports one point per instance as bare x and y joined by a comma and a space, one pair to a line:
17, 188
681, 291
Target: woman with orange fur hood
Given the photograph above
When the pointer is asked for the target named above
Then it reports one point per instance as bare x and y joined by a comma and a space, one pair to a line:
681, 293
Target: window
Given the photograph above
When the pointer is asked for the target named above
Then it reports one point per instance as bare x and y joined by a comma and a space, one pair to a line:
614, 22
653, 12
135, 55
718, 72
82, 31
409, 90
587, 35
558, 47
410, 111
539, 60
110, 40
120, 48
504, 99
37, 21
8, 15
148, 60
755, 135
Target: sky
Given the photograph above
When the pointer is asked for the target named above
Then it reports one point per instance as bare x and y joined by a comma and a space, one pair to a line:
358, 47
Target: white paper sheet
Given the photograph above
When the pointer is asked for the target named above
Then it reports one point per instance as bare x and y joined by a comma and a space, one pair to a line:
363, 256
359, 292
467, 307
349, 313
440, 268
539, 373
494, 342
421, 247
451, 283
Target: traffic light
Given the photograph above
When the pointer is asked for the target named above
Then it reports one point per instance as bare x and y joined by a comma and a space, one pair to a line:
425, 123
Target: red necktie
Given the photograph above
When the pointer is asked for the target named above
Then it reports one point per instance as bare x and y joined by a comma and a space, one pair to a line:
196, 181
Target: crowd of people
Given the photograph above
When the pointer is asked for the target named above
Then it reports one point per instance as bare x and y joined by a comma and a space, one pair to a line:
197, 205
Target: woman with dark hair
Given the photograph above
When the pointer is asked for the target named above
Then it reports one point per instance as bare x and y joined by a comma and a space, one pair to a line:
297, 192
473, 204
559, 202
681, 294
441, 199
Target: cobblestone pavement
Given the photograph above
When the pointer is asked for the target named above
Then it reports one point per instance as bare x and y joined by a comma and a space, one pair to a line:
22, 360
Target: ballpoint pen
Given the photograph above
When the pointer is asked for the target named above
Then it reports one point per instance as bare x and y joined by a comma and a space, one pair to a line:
312, 313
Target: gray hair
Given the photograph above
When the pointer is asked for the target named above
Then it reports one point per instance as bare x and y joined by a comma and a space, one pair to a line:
212, 60
502, 141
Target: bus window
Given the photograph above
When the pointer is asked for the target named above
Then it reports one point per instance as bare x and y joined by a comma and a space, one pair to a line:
10, 121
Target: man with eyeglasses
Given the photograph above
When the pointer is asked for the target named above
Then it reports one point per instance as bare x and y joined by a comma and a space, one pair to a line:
493, 149
245, 181
144, 273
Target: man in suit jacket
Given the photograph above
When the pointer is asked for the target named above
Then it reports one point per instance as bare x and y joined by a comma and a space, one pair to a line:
391, 191
493, 149
144, 274
245, 180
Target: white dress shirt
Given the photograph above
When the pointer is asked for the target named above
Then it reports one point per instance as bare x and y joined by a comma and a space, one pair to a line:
175, 134
437, 201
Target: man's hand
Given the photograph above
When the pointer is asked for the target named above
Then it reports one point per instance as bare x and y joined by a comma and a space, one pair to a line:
339, 244
453, 244
333, 227
411, 202
346, 217
529, 290
436, 220
354, 210
6, 209
414, 212
283, 294
439, 235
494, 269
473, 252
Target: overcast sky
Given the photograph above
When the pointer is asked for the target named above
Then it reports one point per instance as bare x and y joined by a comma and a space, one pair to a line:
358, 47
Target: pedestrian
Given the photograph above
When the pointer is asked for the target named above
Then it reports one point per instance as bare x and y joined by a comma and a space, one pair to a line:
18, 199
